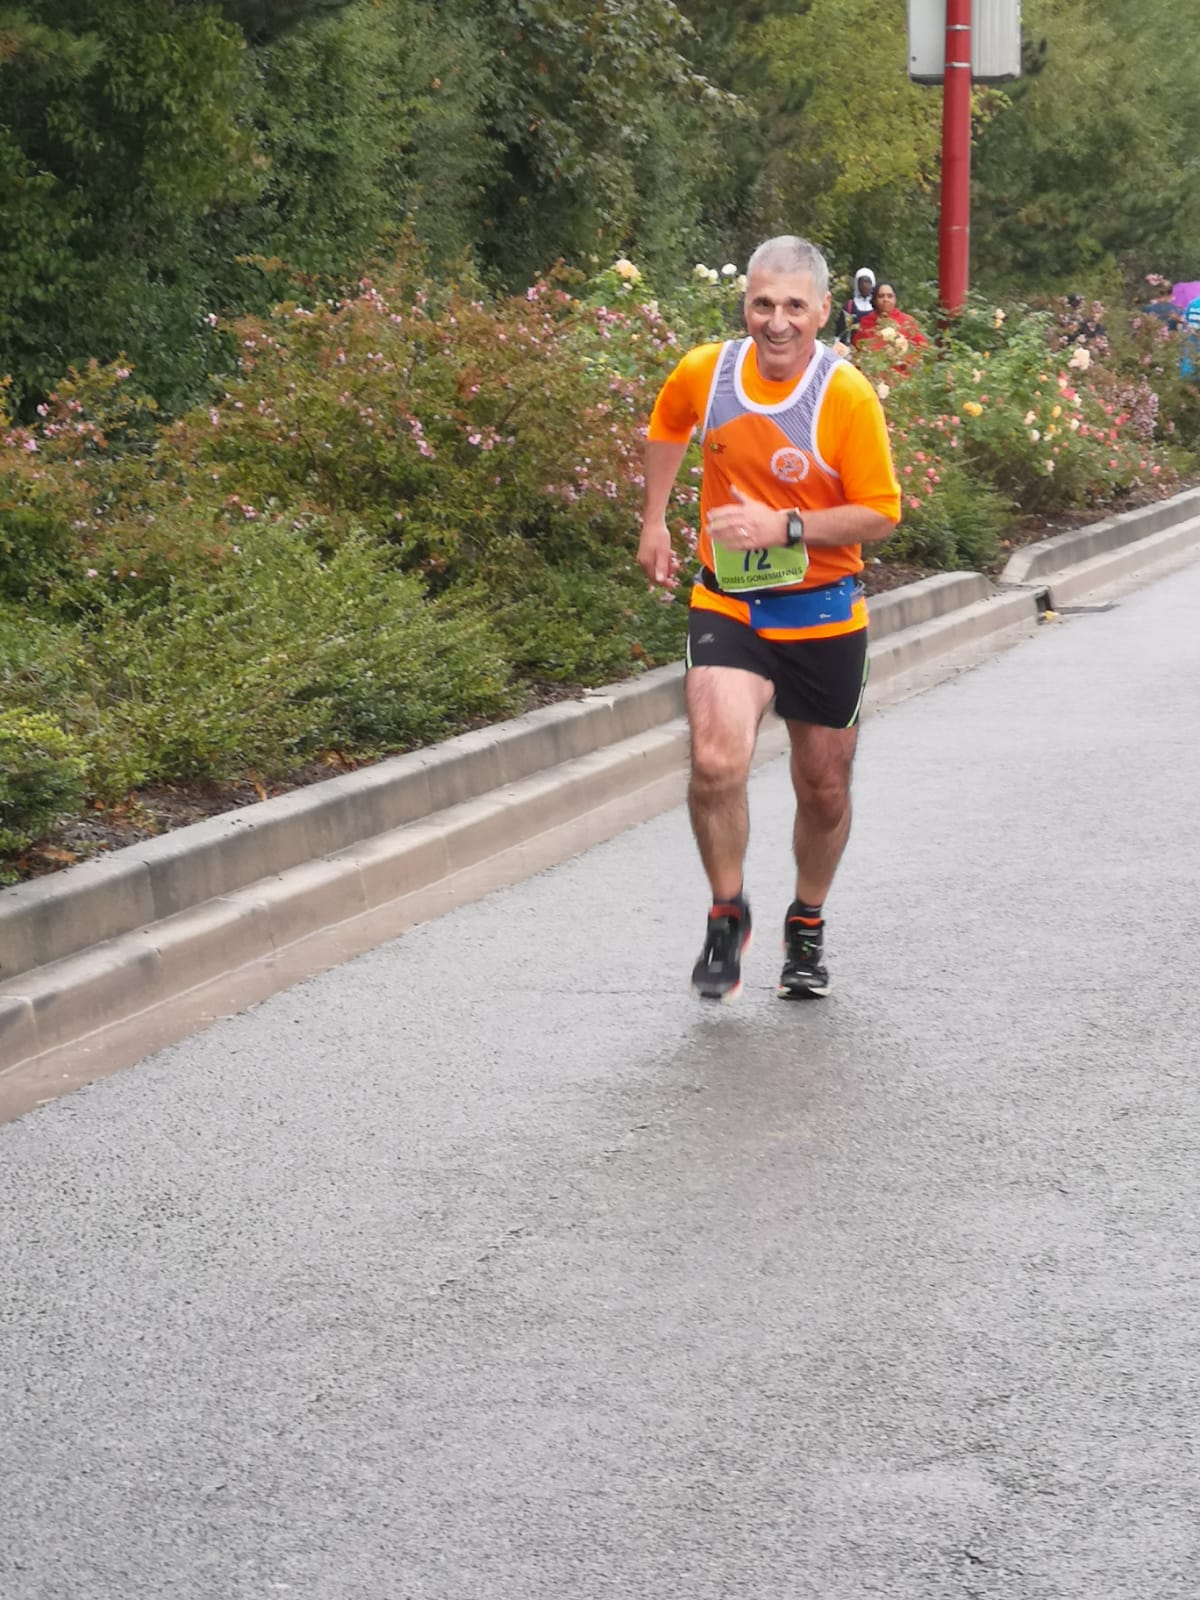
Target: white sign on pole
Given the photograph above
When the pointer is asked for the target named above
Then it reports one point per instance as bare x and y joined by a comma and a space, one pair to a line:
995, 40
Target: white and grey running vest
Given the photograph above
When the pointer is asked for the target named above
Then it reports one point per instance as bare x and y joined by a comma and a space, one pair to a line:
796, 417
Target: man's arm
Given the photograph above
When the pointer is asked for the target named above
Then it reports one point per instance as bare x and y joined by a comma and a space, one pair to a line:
845, 525
662, 462
764, 526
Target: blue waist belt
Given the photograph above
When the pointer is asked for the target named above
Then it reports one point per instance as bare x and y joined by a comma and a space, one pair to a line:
796, 608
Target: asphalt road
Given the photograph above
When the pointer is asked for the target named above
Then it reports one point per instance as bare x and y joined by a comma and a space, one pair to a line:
491, 1266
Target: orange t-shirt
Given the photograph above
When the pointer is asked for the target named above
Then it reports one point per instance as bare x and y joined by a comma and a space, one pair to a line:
850, 465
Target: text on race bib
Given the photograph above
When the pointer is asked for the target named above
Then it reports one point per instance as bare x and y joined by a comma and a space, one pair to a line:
744, 571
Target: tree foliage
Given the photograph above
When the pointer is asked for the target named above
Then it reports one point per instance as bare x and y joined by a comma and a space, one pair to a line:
121, 131
1098, 154
604, 127
165, 160
263, 20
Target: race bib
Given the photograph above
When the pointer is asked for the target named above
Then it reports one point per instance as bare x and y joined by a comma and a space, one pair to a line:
744, 571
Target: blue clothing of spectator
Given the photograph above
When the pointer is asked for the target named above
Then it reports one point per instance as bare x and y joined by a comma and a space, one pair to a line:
1189, 358
1165, 309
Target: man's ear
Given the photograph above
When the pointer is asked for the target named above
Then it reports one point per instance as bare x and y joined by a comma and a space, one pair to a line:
825, 310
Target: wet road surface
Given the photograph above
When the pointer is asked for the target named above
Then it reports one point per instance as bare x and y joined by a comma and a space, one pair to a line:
492, 1266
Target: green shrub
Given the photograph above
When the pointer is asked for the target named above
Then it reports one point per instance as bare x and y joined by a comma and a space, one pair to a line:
42, 777
277, 653
575, 625
34, 542
42, 664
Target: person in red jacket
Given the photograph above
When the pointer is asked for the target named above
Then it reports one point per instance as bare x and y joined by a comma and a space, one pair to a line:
797, 475
886, 327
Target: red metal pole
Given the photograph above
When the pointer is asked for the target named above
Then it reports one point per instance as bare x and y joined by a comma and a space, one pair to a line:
954, 253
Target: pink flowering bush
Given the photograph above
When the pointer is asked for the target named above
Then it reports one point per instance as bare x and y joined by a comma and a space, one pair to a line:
62, 476
1145, 348
490, 446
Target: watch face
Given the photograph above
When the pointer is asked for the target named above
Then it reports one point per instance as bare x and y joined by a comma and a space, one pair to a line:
795, 528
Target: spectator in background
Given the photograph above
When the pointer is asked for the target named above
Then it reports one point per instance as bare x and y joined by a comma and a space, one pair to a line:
1189, 356
856, 308
886, 327
1161, 303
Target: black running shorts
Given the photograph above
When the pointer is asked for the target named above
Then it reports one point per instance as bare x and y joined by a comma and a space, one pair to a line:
816, 680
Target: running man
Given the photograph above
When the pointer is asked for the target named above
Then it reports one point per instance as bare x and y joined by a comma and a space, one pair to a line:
797, 476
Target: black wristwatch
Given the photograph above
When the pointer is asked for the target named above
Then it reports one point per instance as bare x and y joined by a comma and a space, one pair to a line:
795, 529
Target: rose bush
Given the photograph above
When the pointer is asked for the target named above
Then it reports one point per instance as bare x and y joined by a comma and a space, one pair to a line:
1004, 418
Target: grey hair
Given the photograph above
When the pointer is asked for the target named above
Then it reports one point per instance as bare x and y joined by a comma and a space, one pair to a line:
789, 253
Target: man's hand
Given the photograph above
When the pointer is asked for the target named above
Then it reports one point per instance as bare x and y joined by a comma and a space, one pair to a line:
746, 524
654, 555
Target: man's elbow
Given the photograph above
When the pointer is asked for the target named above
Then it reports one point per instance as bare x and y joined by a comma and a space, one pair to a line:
880, 527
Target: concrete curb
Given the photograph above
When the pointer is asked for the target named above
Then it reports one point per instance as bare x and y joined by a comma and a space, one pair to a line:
126, 936
1038, 561
46, 920
1113, 566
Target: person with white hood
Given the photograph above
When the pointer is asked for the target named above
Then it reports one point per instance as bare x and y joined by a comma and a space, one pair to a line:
859, 303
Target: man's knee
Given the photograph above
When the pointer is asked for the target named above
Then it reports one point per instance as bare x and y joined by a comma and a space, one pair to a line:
824, 798
821, 769
724, 708
719, 764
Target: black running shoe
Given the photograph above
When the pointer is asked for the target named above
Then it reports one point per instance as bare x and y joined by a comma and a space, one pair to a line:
718, 973
804, 972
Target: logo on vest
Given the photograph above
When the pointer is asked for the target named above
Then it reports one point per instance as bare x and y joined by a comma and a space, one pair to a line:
789, 464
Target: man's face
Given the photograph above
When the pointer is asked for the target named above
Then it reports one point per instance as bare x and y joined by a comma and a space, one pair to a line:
783, 316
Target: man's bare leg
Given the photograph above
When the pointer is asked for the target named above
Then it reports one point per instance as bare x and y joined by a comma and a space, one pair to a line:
822, 760
725, 706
